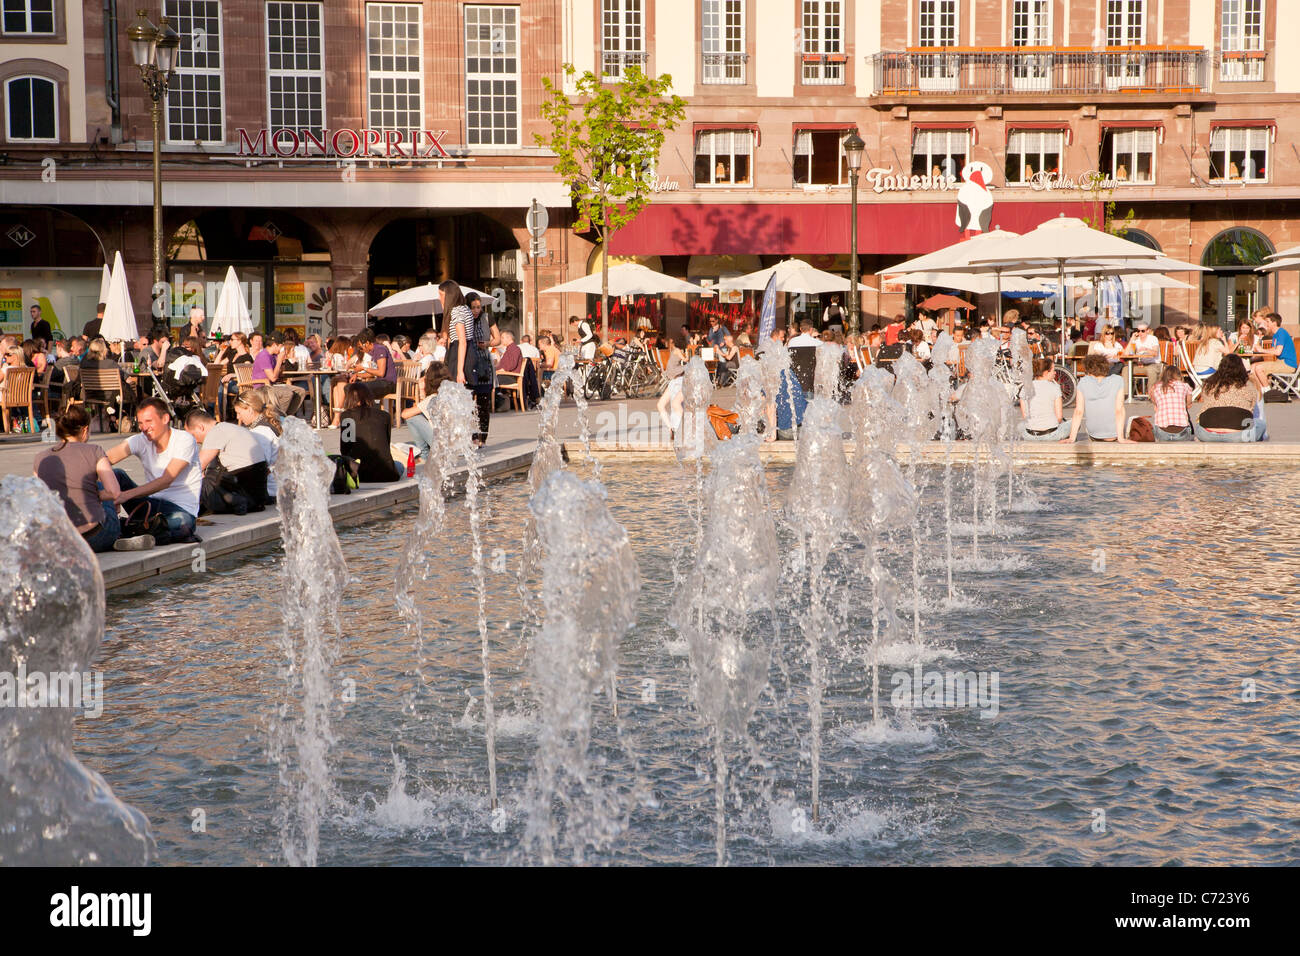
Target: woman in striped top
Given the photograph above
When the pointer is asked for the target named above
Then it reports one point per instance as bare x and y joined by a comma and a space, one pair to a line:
463, 347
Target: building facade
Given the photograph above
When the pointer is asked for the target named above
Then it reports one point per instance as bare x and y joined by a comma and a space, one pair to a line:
335, 152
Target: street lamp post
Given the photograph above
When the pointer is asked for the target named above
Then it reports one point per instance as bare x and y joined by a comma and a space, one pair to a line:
853, 148
154, 51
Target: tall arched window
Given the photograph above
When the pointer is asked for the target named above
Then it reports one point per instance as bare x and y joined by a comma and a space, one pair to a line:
31, 109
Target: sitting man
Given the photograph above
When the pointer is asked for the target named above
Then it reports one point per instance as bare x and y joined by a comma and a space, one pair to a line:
1282, 350
268, 366
233, 463
173, 478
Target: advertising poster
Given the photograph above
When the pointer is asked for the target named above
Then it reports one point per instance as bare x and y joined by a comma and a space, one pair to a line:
291, 306
67, 298
11, 312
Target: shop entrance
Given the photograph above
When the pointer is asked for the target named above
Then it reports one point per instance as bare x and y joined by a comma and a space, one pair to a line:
1233, 289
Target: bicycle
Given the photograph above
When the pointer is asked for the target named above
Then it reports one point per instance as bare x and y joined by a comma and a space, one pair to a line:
632, 374
1004, 373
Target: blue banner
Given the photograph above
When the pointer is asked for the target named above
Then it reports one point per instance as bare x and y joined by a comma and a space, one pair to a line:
767, 321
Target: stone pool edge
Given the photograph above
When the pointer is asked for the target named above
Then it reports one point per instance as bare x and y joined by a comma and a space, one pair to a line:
229, 534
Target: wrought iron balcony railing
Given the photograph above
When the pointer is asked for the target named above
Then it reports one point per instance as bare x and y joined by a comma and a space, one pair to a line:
724, 68
613, 63
822, 69
1042, 70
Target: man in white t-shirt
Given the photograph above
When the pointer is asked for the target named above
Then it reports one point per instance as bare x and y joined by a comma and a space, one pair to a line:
805, 337
1146, 347
529, 349
233, 463
173, 478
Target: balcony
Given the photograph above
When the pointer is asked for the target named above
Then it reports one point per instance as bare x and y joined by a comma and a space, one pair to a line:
614, 63
724, 68
1070, 71
822, 69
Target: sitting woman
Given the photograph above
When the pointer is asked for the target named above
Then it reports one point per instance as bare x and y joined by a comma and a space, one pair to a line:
1243, 340
366, 436
256, 412
419, 417
80, 474
1207, 349
1109, 347
1229, 404
1172, 398
1041, 405
1099, 403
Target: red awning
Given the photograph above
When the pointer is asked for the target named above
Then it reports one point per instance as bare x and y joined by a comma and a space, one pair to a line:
894, 228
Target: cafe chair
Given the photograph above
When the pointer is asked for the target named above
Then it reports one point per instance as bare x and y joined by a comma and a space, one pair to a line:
16, 392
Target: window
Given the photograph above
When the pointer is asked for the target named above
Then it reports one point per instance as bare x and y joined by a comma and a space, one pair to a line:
31, 104
723, 157
1129, 155
295, 67
1126, 25
28, 16
1239, 154
723, 23
194, 99
622, 32
819, 158
940, 152
1031, 25
395, 87
937, 26
492, 75
1242, 34
823, 42
1032, 151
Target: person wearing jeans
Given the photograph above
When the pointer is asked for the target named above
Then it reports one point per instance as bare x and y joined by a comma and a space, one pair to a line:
1228, 407
1172, 398
418, 417
173, 478
1041, 405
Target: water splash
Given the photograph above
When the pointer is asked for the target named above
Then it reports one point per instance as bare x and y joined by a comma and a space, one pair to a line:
590, 584
697, 392
726, 607
53, 810
313, 581
980, 413
749, 395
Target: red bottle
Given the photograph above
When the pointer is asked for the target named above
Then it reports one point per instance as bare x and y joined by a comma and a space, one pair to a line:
410, 463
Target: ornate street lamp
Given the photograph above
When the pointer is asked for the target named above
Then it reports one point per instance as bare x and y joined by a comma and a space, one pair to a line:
853, 148
154, 51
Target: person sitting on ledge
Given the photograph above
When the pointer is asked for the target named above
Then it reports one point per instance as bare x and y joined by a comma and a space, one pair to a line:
1229, 404
1172, 398
1099, 403
173, 478
366, 436
233, 463
1041, 405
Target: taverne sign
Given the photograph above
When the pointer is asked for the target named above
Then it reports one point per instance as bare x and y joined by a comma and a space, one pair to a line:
343, 143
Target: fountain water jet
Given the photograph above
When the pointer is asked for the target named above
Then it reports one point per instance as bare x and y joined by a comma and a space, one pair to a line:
54, 811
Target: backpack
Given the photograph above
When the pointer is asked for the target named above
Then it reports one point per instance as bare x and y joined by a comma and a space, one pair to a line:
345, 479
1276, 395
1140, 429
725, 423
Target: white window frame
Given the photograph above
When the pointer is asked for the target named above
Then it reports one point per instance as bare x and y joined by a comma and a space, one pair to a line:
1237, 19
938, 23
318, 74
373, 112
622, 37
733, 137
9, 114
1252, 139
27, 17
944, 139
1125, 25
1036, 145
1134, 137
171, 9
817, 20
722, 41
516, 77
1031, 25
803, 143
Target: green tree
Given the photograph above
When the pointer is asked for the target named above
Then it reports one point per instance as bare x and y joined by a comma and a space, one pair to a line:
606, 139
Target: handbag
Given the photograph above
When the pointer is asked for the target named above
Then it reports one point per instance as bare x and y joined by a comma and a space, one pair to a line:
1140, 429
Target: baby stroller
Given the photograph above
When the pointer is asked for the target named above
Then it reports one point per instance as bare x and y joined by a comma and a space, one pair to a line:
182, 384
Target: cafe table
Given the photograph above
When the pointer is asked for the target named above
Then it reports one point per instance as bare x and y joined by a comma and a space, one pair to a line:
314, 375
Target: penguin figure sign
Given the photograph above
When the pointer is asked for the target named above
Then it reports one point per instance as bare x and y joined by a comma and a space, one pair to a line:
974, 201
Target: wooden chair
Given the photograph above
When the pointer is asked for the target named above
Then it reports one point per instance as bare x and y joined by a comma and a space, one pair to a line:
43, 386
71, 384
16, 392
661, 358
102, 387
408, 372
212, 387
513, 383
244, 375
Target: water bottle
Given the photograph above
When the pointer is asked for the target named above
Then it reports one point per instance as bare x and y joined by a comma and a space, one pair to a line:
47, 431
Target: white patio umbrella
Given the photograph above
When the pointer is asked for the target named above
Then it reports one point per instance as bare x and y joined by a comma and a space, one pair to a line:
104, 281
1277, 265
793, 275
1286, 254
629, 279
967, 281
119, 316
231, 314
418, 300
957, 254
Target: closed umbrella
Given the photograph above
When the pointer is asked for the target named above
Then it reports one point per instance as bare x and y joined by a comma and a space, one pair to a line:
119, 316
104, 281
231, 314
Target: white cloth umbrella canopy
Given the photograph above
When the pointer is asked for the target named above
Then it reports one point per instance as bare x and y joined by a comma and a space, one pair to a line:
1286, 254
418, 300
1277, 265
104, 282
629, 278
793, 275
969, 281
1124, 268
231, 314
1063, 240
957, 254
119, 316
